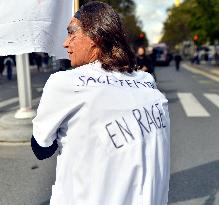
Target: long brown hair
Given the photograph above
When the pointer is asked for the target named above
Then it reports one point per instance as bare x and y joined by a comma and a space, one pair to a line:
103, 25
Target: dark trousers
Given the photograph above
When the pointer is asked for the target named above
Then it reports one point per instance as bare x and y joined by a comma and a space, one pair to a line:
177, 65
9, 73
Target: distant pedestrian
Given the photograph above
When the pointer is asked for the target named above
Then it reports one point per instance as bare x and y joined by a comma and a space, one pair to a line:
64, 64
38, 59
9, 63
144, 62
216, 56
1, 65
177, 59
45, 61
195, 58
32, 59
153, 56
206, 56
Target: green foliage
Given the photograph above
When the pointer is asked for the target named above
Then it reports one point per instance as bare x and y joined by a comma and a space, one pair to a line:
132, 26
209, 19
192, 17
133, 30
176, 26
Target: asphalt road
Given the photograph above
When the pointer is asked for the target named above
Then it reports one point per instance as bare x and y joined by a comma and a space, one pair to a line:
194, 148
194, 140
24, 180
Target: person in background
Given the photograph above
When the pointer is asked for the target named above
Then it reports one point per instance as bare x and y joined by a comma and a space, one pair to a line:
1, 65
195, 59
153, 56
109, 123
9, 63
216, 57
144, 62
177, 59
206, 55
45, 61
38, 59
64, 64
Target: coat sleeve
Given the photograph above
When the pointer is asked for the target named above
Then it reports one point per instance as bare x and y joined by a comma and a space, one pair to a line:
53, 109
43, 152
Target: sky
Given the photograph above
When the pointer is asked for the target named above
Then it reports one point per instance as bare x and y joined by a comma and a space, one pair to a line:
153, 13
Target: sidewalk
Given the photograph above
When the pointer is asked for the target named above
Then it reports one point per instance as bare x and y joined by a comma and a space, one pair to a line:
209, 68
18, 130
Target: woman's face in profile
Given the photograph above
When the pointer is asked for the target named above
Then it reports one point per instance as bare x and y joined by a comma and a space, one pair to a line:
79, 46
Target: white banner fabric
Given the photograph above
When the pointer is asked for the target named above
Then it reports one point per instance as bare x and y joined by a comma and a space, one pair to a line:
34, 26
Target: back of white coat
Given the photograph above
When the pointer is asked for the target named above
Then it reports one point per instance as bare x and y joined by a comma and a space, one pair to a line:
115, 150
113, 135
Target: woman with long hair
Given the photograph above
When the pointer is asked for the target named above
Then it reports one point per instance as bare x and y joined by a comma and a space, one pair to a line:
109, 123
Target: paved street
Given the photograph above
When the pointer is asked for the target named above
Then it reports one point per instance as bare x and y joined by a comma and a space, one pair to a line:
194, 112
9, 91
24, 179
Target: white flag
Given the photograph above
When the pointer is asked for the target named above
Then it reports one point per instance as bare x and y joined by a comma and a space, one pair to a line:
34, 26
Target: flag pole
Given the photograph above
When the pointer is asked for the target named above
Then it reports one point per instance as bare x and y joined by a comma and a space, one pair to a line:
76, 5
24, 87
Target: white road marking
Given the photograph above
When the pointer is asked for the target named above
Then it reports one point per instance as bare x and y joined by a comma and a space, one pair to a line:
35, 103
192, 106
10, 101
214, 98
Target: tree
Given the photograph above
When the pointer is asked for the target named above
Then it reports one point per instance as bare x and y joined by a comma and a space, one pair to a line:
192, 17
205, 20
176, 28
132, 26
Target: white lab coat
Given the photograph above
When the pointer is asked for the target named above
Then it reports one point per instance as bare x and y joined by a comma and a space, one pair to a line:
113, 136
